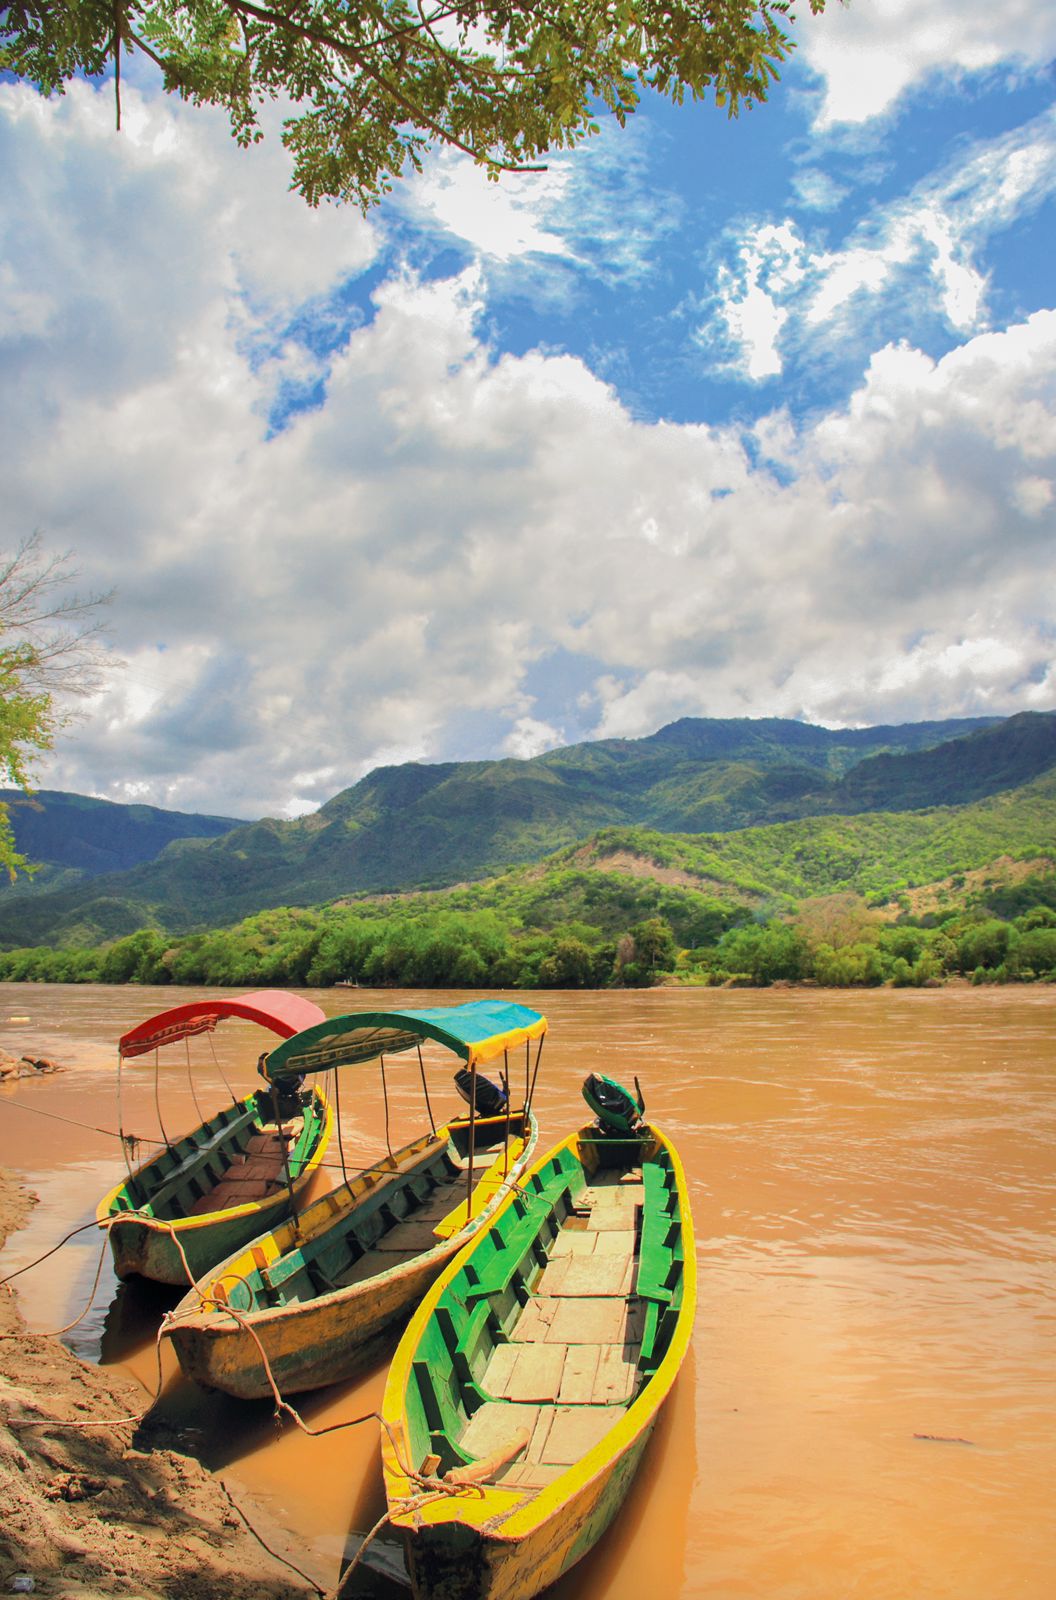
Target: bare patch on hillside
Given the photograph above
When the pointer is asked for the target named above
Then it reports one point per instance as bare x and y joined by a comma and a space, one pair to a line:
632, 865
937, 896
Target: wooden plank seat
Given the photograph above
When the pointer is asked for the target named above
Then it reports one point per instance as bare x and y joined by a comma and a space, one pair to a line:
167, 1199
384, 1228
535, 1214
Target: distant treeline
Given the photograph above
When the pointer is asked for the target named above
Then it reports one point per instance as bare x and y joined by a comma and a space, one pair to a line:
835, 940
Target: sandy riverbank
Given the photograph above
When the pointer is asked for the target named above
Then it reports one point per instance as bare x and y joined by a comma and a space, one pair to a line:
82, 1511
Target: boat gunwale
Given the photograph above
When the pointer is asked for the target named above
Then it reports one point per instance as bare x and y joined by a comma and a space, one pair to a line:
216, 1321
502, 1513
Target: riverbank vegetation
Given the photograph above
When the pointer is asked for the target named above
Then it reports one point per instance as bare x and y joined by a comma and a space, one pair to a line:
902, 898
583, 929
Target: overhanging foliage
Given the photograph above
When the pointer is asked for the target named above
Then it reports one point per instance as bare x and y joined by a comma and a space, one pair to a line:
377, 82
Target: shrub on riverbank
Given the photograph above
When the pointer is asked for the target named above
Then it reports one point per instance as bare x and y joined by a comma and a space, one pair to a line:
836, 941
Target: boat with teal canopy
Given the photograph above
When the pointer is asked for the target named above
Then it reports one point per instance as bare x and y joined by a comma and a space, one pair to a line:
478, 1031
314, 1301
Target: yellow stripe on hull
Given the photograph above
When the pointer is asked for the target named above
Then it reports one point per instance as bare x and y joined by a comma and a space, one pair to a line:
332, 1336
501, 1542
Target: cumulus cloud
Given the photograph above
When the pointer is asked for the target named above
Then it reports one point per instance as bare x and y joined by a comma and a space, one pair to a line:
867, 56
297, 605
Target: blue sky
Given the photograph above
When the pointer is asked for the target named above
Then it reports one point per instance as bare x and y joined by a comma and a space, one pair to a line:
713, 418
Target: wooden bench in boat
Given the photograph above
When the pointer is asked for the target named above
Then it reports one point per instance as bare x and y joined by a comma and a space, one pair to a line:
256, 1172
535, 1395
196, 1163
535, 1214
334, 1257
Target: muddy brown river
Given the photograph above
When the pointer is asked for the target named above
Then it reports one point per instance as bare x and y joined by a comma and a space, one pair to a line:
869, 1406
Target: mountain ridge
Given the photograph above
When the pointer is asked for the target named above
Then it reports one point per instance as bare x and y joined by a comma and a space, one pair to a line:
418, 826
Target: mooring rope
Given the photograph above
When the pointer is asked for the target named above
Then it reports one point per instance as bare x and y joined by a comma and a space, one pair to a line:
428, 1486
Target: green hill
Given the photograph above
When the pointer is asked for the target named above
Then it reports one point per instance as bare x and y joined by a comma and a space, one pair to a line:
427, 826
72, 837
882, 897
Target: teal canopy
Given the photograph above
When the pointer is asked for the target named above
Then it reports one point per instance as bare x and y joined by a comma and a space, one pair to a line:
477, 1032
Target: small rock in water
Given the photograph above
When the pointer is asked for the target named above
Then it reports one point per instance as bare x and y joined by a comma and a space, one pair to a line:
22, 1583
39, 1064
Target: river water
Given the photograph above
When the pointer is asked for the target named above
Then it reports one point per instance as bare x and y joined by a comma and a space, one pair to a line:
869, 1406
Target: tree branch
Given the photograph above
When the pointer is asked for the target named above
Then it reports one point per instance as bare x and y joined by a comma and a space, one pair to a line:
350, 53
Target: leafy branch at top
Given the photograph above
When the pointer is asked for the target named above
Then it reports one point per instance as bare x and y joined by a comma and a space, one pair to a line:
377, 82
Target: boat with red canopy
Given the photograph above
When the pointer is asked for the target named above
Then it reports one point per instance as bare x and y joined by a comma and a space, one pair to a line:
235, 1175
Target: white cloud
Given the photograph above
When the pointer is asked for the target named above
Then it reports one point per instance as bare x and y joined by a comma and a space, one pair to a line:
593, 212
777, 288
298, 608
530, 737
769, 267
869, 55
497, 220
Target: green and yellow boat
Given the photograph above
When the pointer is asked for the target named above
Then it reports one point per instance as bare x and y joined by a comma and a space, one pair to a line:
209, 1192
526, 1385
310, 1302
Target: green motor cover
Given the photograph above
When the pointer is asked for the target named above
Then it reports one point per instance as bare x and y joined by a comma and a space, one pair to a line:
617, 1110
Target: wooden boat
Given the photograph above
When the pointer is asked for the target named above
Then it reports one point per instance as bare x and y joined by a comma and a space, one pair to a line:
525, 1387
317, 1294
209, 1192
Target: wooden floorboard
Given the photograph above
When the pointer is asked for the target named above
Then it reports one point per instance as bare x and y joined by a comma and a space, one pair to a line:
371, 1263
574, 1430
493, 1427
413, 1235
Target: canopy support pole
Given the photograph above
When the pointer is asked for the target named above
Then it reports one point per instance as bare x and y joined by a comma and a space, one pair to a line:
385, 1093
190, 1078
506, 1135
535, 1074
121, 1131
472, 1137
337, 1111
425, 1091
157, 1102
219, 1068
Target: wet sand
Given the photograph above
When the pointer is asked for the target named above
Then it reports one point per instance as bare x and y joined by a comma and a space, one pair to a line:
87, 1514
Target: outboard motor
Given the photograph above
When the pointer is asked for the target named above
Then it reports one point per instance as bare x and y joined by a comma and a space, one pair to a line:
284, 1100
491, 1097
618, 1111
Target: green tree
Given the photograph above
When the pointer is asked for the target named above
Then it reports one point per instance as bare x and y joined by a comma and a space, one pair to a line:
765, 953
654, 945
985, 944
377, 82
49, 651
569, 964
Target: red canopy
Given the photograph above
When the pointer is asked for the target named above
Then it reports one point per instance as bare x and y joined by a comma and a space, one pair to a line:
285, 1014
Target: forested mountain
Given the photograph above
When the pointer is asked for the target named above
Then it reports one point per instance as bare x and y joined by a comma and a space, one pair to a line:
415, 825
909, 898
71, 836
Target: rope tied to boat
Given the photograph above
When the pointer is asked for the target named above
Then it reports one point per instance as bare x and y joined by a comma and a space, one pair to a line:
430, 1489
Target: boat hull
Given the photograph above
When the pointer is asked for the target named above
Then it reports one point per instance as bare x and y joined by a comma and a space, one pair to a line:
331, 1336
450, 1561
178, 1250
510, 1338
308, 1346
